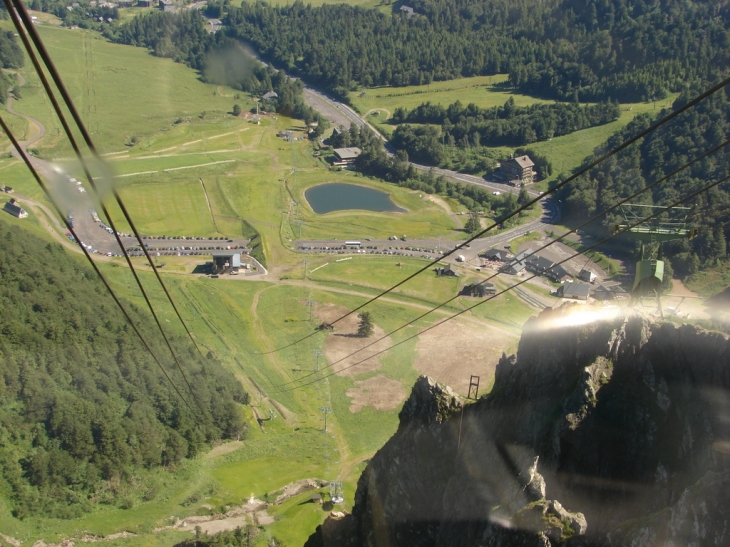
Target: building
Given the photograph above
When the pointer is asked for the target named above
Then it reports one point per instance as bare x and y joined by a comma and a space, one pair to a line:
14, 208
577, 290
145, 3
518, 170
7, 189
614, 292
166, 5
346, 156
587, 276
496, 254
479, 290
226, 262
269, 95
407, 10
447, 270
559, 274
539, 264
513, 267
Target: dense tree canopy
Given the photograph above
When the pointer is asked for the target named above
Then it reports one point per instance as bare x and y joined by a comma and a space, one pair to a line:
661, 152
82, 404
627, 50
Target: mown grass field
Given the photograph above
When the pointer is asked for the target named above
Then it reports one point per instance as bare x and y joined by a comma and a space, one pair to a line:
249, 174
565, 152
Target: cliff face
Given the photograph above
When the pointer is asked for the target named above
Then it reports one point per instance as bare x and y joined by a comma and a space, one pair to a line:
612, 433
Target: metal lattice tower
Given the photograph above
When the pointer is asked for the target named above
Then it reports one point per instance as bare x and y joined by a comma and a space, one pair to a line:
336, 492
652, 234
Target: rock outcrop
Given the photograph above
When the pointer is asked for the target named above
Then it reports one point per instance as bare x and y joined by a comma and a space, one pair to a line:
615, 432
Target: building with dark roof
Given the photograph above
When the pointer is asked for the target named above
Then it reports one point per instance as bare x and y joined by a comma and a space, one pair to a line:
496, 254
614, 292
576, 290
14, 208
447, 270
558, 274
408, 10
587, 276
518, 170
479, 290
513, 267
539, 264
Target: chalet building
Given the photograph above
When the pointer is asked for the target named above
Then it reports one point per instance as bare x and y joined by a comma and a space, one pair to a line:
167, 5
479, 290
587, 276
145, 3
14, 208
496, 254
518, 171
559, 274
346, 156
270, 95
447, 270
614, 292
576, 291
539, 264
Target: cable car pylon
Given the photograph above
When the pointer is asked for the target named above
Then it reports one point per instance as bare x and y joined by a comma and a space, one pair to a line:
652, 234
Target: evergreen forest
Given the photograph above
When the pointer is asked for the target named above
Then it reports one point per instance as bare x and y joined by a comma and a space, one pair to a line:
84, 409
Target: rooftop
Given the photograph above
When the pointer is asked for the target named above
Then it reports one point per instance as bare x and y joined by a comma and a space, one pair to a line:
347, 153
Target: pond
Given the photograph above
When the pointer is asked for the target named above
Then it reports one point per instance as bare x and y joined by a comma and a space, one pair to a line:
326, 198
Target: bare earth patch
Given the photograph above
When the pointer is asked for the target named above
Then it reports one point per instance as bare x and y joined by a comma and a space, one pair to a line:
224, 449
451, 353
379, 392
345, 341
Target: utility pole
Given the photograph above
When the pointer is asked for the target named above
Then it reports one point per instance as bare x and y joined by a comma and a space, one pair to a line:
317, 353
326, 410
310, 303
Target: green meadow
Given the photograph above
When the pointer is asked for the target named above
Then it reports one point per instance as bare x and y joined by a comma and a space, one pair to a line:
185, 166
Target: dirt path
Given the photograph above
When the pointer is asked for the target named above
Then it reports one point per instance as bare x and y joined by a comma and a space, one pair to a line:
33, 123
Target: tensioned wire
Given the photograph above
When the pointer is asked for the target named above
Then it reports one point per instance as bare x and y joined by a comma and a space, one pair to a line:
556, 240
46, 190
50, 66
527, 205
32, 31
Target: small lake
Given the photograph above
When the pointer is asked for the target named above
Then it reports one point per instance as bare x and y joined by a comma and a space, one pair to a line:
326, 198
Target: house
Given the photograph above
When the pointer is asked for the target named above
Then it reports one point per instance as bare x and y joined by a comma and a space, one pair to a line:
587, 275
496, 254
346, 156
226, 261
407, 10
576, 290
559, 274
144, 3
269, 95
479, 290
539, 264
166, 5
447, 270
518, 171
14, 208
513, 267
614, 292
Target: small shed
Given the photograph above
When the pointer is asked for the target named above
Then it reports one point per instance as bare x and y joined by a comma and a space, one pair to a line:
576, 290
447, 270
13, 207
587, 276
317, 498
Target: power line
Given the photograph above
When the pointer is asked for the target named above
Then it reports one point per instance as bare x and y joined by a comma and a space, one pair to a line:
30, 28
624, 230
530, 203
45, 189
556, 240
90, 178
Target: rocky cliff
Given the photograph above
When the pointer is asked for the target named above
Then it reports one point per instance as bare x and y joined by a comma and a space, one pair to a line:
615, 432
